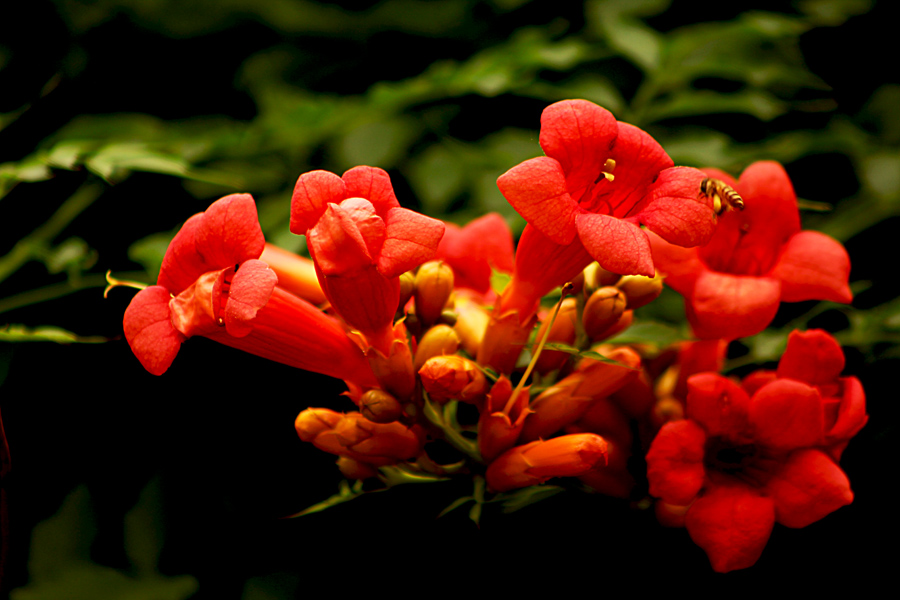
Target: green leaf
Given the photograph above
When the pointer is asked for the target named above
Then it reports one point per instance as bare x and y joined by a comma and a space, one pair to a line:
615, 20
519, 499
649, 332
689, 103
45, 333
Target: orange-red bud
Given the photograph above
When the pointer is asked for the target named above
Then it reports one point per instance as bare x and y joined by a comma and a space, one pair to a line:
380, 407
440, 340
434, 284
640, 290
354, 469
356, 437
503, 342
501, 421
453, 377
534, 463
471, 322
395, 371
602, 311
407, 287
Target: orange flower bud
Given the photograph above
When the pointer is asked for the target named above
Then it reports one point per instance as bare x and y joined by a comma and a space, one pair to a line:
354, 469
471, 322
407, 287
440, 340
555, 407
640, 290
603, 378
534, 463
434, 284
500, 349
380, 407
356, 437
562, 331
501, 421
453, 377
395, 371
596, 276
603, 310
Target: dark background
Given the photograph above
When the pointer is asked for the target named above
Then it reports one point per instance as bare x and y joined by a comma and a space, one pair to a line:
214, 436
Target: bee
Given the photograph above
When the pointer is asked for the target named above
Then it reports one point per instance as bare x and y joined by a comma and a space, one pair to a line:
723, 195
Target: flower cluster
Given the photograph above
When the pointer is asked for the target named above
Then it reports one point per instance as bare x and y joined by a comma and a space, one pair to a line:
400, 306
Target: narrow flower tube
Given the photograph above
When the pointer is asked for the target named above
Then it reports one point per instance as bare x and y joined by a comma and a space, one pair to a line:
534, 463
501, 420
296, 274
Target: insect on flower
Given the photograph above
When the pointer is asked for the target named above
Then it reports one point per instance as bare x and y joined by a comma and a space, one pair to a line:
723, 195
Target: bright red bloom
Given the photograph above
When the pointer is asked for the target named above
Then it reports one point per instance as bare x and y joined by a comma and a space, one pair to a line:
472, 251
361, 241
212, 284
757, 259
744, 462
600, 181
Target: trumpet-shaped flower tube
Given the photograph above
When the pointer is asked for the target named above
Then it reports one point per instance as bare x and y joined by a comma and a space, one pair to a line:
742, 463
212, 284
757, 259
361, 241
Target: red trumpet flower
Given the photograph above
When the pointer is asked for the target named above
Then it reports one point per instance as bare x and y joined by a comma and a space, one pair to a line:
212, 284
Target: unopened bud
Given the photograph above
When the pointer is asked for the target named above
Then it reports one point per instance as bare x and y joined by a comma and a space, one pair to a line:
354, 469
453, 377
565, 456
313, 421
434, 284
603, 310
440, 340
380, 407
640, 290
407, 287
596, 277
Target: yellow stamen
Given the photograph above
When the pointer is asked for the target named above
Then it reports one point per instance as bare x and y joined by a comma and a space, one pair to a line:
113, 283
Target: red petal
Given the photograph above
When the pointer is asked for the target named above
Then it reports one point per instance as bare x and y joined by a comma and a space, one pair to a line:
732, 306
808, 487
851, 413
336, 244
732, 523
719, 405
813, 266
227, 234
250, 291
680, 266
813, 357
410, 240
673, 209
374, 185
639, 160
369, 224
675, 462
750, 241
580, 136
537, 190
149, 330
474, 250
787, 414
619, 246
312, 193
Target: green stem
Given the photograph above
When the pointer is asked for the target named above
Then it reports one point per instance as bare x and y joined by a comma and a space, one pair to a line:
58, 290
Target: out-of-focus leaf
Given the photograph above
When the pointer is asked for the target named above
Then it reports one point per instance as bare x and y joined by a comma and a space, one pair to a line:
149, 252
882, 111
519, 499
616, 21
832, 13
46, 333
60, 565
767, 346
438, 176
381, 142
648, 332
72, 254
758, 103
881, 174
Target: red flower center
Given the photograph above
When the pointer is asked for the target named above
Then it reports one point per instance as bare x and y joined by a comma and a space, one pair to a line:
750, 463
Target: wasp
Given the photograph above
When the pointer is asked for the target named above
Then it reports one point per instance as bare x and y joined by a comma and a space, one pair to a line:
723, 195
